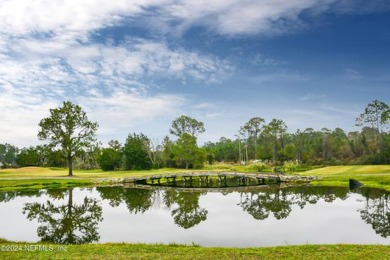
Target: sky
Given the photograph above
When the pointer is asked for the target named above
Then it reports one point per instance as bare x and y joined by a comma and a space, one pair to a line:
136, 65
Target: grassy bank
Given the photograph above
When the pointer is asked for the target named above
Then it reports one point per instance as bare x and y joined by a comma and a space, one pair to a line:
143, 251
374, 176
39, 177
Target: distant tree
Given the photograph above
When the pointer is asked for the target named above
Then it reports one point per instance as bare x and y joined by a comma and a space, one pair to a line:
29, 157
8, 154
188, 152
136, 155
253, 128
185, 124
154, 153
340, 145
327, 153
55, 158
243, 135
275, 130
376, 115
110, 158
68, 127
167, 153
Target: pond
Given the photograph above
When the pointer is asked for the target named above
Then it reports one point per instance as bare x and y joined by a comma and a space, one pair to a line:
239, 217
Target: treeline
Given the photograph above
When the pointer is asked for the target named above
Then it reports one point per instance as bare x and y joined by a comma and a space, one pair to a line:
259, 141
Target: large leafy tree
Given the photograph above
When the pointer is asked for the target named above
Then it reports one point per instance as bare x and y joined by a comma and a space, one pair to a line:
68, 128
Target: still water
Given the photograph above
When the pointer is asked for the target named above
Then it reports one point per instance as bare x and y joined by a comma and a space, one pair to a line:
234, 217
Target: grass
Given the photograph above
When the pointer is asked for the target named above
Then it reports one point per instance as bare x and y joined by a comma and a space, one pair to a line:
374, 176
39, 177
174, 251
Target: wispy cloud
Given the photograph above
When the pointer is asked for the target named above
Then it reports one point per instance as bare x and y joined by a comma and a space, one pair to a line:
75, 19
312, 97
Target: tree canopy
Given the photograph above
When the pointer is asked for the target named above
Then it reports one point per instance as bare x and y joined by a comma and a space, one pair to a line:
186, 124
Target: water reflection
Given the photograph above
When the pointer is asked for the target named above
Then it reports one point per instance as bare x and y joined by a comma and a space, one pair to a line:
279, 202
65, 221
188, 212
68, 223
136, 200
184, 205
376, 211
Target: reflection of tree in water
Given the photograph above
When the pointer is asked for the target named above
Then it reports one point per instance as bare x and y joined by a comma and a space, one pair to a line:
188, 213
279, 202
136, 200
68, 223
312, 194
10, 195
377, 210
260, 204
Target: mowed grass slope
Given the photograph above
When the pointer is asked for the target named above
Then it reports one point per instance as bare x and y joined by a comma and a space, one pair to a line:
375, 176
43, 178
351, 170
42, 172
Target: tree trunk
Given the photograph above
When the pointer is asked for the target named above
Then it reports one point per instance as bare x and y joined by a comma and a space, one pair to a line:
70, 165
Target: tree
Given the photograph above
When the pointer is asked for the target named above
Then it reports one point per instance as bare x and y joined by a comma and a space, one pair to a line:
275, 130
136, 155
185, 124
377, 115
253, 128
188, 152
110, 158
29, 157
68, 127
167, 154
8, 154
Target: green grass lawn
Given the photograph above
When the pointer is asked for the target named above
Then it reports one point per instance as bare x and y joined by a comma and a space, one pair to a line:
152, 251
40, 177
375, 176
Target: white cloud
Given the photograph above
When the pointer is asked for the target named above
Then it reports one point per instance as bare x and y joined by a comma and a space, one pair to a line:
75, 20
58, 17
242, 16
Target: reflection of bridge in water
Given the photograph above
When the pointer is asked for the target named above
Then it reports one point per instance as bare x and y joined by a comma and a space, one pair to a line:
209, 180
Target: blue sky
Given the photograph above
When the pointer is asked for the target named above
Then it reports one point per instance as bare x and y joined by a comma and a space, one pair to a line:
135, 66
